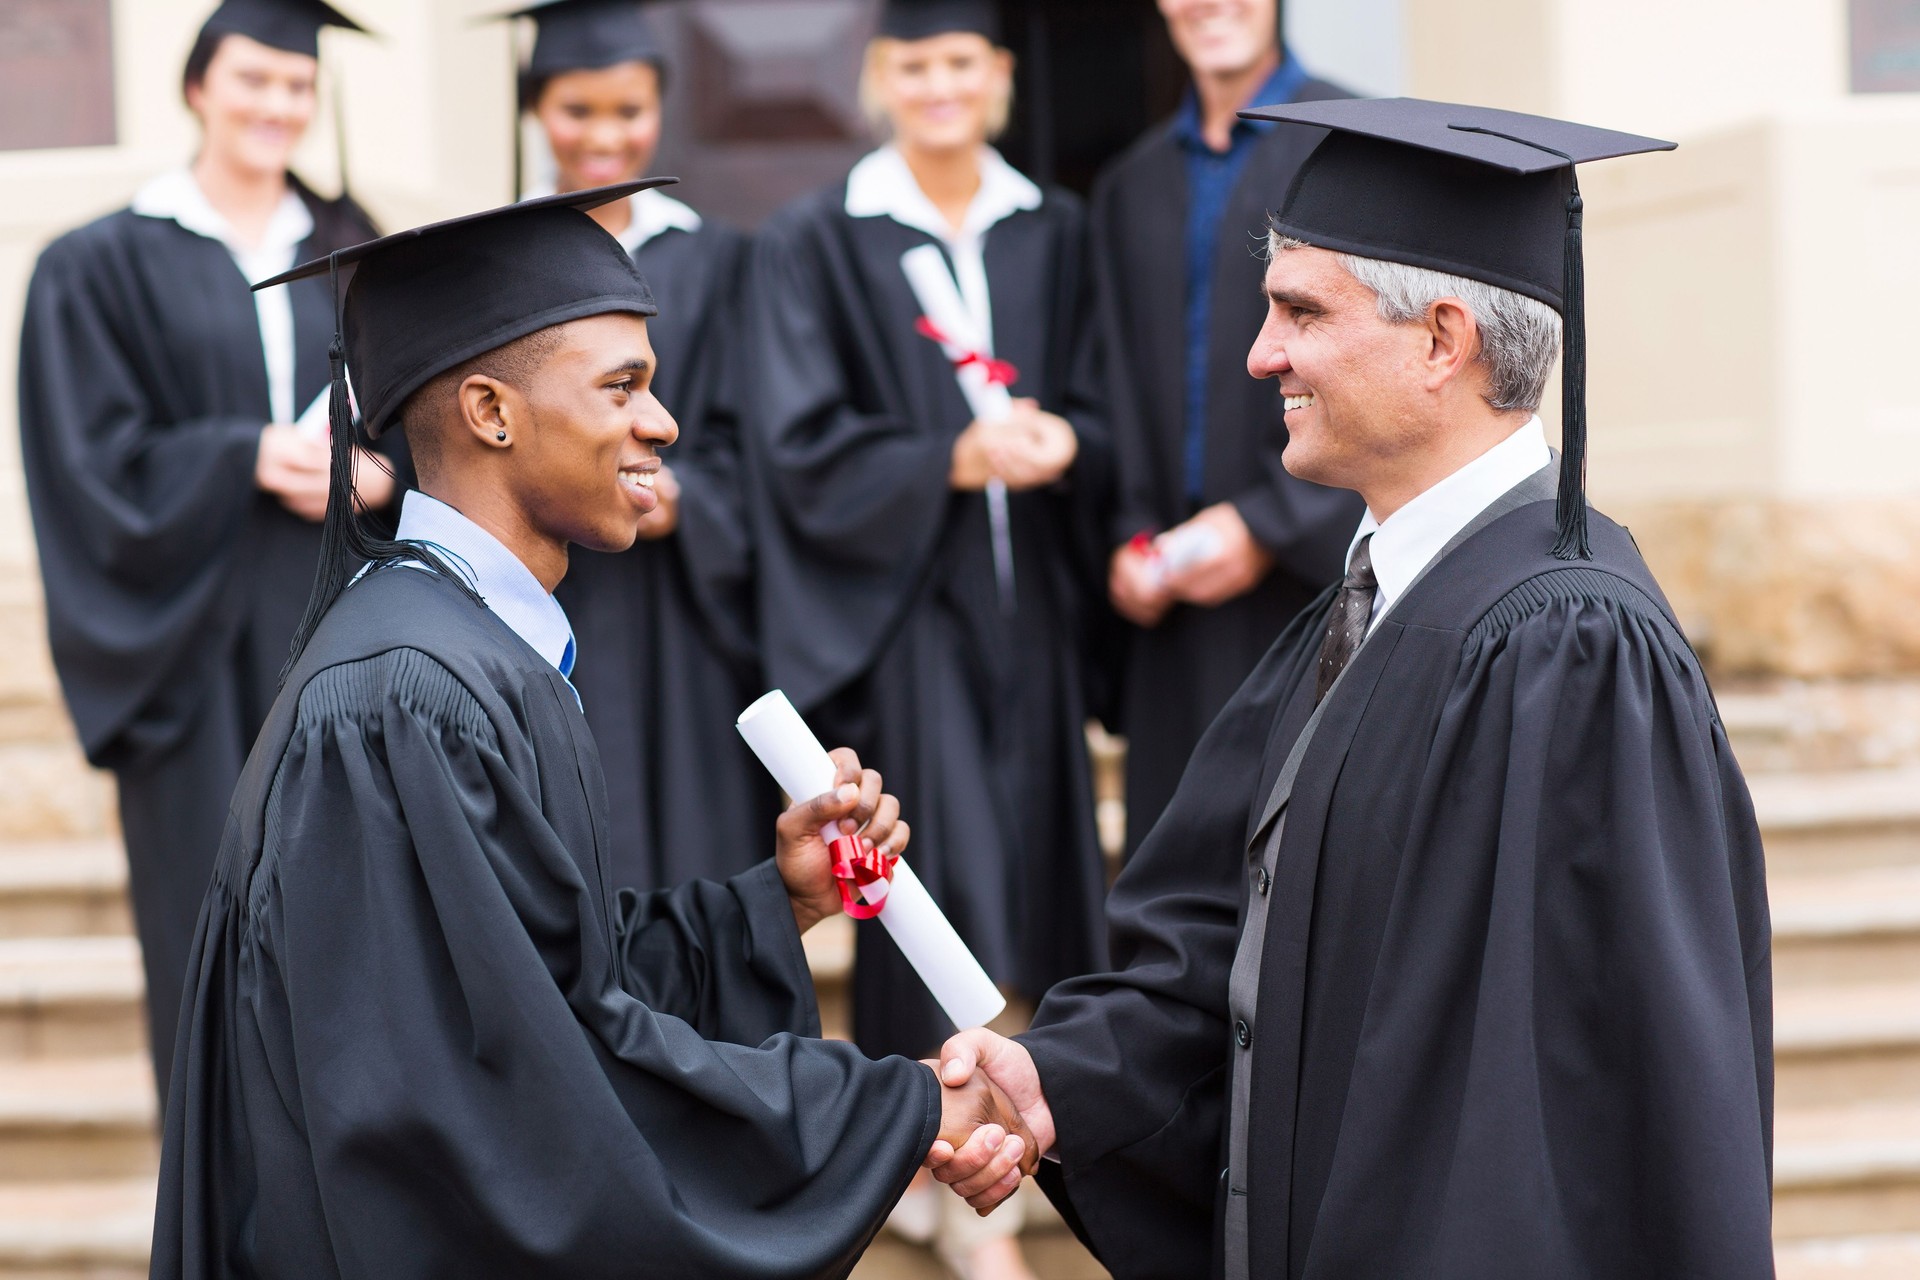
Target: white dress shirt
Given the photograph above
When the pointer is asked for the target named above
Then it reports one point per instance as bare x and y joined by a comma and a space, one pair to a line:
496, 575
881, 185
1407, 541
650, 213
178, 197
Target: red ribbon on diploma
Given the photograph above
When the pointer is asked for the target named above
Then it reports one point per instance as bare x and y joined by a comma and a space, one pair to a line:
1000, 373
854, 868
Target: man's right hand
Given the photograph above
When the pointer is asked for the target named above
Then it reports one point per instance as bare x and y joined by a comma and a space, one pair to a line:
1138, 594
294, 467
980, 1054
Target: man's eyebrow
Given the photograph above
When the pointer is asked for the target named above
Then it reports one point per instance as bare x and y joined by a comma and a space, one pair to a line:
1288, 298
635, 366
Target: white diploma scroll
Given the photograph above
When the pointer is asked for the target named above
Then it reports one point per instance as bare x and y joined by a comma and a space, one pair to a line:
803, 769
313, 423
968, 331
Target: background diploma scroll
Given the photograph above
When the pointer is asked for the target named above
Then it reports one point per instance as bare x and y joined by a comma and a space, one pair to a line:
920, 929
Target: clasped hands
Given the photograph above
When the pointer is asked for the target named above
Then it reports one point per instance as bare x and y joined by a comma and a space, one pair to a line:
985, 1162
1026, 450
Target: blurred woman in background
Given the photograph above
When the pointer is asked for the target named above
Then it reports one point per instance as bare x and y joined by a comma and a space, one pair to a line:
922, 456
663, 632
173, 430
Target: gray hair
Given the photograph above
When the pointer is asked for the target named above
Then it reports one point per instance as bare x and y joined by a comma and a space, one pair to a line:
1519, 336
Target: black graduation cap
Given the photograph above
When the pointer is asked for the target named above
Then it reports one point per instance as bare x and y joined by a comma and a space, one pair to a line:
293, 25
425, 300
919, 19
1473, 191
584, 35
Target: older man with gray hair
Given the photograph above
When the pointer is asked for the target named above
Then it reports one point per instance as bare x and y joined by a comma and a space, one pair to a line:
1450, 957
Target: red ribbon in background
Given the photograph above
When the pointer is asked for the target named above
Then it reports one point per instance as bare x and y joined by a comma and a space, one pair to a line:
854, 868
1000, 373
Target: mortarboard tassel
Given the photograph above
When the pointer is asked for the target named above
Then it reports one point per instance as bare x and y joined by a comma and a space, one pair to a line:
347, 547
1570, 508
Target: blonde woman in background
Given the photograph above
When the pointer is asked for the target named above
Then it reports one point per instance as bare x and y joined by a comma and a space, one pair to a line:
925, 461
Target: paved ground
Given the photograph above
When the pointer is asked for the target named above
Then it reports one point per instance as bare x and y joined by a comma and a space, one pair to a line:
1054, 1255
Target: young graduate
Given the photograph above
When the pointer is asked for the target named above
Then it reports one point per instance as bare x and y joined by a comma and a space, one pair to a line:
1453, 945
666, 628
420, 1041
914, 582
1176, 222
175, 476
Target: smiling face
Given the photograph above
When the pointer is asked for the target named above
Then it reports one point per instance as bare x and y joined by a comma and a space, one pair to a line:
947, 92
585, 457
1357, 388
1222, 37
254, 103
603, 125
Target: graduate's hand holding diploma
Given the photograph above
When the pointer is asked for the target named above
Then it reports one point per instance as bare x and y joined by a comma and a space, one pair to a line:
294, 467
1236, 566
805, 861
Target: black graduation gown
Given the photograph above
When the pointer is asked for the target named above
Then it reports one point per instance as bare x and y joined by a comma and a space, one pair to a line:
419, 1043
664, 631
173, 585
1175, 677
879, 612
1514, 1012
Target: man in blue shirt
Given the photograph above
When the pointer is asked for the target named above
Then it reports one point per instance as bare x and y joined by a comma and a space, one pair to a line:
1214, 546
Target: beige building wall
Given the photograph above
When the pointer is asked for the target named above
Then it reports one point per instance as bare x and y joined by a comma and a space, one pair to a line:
1754, 417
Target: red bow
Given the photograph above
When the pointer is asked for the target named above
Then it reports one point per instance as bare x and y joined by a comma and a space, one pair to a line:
854, 868
1000, 373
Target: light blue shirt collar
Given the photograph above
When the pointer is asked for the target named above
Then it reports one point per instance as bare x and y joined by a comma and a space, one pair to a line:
496, 575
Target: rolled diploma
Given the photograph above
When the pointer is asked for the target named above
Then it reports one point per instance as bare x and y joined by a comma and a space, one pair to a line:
803, 769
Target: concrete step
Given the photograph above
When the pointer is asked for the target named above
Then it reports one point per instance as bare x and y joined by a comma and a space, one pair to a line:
70, 998
77, 1119
1838, 1044
1895, 1257
1846, 926
1846, 1171
68, 888
1839, 821
96, 1230
48, 792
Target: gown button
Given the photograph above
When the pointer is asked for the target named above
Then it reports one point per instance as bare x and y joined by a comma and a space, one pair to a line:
1242, 1033
1262, 881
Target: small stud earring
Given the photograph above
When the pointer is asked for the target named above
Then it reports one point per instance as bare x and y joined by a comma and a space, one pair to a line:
501, 436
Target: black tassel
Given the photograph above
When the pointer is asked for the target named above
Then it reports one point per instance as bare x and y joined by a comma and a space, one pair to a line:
347, 547
1570, 508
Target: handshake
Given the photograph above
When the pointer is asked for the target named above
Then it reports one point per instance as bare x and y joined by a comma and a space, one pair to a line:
994, 1122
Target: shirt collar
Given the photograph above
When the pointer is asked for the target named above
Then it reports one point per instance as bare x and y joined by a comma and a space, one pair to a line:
1408, 540
650, 213
176, 195
1279, 87
496, 575
882, 185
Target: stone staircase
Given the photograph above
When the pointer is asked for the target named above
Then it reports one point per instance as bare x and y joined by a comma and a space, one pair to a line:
78, 1155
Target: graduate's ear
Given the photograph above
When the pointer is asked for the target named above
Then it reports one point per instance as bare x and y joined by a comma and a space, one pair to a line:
1452, 342
489, 410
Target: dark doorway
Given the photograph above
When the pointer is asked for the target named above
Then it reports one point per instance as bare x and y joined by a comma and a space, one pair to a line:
764, 105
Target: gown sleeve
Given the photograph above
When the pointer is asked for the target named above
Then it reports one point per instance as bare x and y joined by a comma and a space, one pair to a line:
1583, 975
145, 499
714, 539
855, 496
480, 1094
1133, 1061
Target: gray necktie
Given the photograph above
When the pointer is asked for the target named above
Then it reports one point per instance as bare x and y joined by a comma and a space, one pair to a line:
1347, 624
